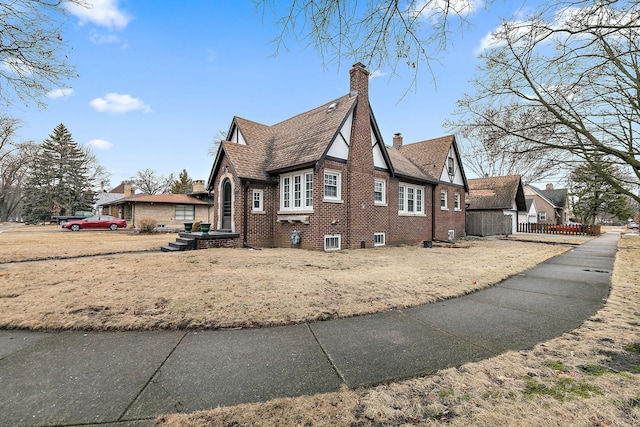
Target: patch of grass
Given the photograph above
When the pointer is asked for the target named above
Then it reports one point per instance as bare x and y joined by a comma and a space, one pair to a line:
633, 348
595, 370
563, 389
555, 364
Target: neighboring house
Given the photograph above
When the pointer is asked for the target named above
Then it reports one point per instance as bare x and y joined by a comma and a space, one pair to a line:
530, 216
324, 180
501, 194
169, 210
552, 204
105, 198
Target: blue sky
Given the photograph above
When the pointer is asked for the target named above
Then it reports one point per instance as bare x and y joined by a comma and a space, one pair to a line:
158, 80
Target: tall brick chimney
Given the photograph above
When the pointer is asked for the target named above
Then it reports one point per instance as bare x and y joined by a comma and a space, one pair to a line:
397, 140
360, 167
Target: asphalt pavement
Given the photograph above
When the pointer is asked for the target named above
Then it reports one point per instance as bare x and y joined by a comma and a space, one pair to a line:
128, 378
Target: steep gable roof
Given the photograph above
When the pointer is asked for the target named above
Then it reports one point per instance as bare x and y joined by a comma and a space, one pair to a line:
557, 197
498, 192
405, 168
296, 142
431, 155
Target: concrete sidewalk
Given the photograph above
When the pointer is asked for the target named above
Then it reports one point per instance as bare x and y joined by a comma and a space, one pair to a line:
128, 378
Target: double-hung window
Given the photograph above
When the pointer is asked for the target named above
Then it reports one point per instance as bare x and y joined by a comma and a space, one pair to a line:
443, 200
410, 199
456, 201
185, 212
380, 186
332, 185
296, 191
257, 205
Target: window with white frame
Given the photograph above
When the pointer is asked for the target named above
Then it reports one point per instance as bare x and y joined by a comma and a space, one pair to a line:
410, 199
296, 191
257, 204
380, 190
443, 200
185, 212
456, 201
332, 242
542, 216
450, 167
332, 185
379, 239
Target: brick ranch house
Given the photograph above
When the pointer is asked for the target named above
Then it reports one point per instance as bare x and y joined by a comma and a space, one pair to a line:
324, 180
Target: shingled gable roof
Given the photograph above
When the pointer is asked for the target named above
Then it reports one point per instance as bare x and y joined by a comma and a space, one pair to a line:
498, 192
431, 156
177, 199
296, 142
556, 197
405, 168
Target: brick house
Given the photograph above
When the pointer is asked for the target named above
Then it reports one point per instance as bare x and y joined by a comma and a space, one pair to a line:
169, 210
552, 204
324, 180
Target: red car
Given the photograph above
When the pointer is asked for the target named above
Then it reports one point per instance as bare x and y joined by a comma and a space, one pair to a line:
96, 221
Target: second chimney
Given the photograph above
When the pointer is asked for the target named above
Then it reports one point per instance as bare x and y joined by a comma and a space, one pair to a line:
397, 140
549, 186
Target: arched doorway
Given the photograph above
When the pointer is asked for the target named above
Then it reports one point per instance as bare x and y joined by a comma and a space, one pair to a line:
225, 207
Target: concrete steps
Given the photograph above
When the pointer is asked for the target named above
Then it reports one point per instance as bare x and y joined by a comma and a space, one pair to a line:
181, 244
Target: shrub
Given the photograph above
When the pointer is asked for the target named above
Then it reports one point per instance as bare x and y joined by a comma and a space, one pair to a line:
196, 227
148, 225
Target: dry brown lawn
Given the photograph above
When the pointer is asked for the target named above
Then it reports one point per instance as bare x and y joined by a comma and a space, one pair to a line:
588, 377
227, 288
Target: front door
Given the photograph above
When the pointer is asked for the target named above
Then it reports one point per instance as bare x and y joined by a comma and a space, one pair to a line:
226, 205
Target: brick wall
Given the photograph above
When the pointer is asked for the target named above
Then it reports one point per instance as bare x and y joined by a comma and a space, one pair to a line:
449, 219
165, 214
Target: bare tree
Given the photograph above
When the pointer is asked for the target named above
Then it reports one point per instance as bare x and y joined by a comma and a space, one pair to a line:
14, 160
33, 54
149, 182
573, 71
378, 33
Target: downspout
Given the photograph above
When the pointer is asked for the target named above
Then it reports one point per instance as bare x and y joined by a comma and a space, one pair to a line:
245, 213
433, 212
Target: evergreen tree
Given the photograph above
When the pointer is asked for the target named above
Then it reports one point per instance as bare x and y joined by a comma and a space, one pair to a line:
594, 196
59, 179
182, 185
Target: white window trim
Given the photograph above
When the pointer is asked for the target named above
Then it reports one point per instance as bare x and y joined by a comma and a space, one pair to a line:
542, 216
338, 196
259, 209
384, 192
304, 207
384, 239
457, 201
418, 208
446, 200
332, 236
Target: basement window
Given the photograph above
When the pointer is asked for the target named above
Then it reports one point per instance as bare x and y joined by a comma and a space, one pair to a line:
332, 242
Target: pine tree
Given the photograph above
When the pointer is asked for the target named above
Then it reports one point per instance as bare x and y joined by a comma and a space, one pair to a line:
182, 185
593, 196
58, 180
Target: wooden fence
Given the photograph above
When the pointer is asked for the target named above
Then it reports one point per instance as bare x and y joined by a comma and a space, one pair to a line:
488, 224
567, 229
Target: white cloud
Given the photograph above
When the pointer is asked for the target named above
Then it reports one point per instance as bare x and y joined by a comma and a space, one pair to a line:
100, 144
118, 104
99, 38
104, 13
59, 93
377, 73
